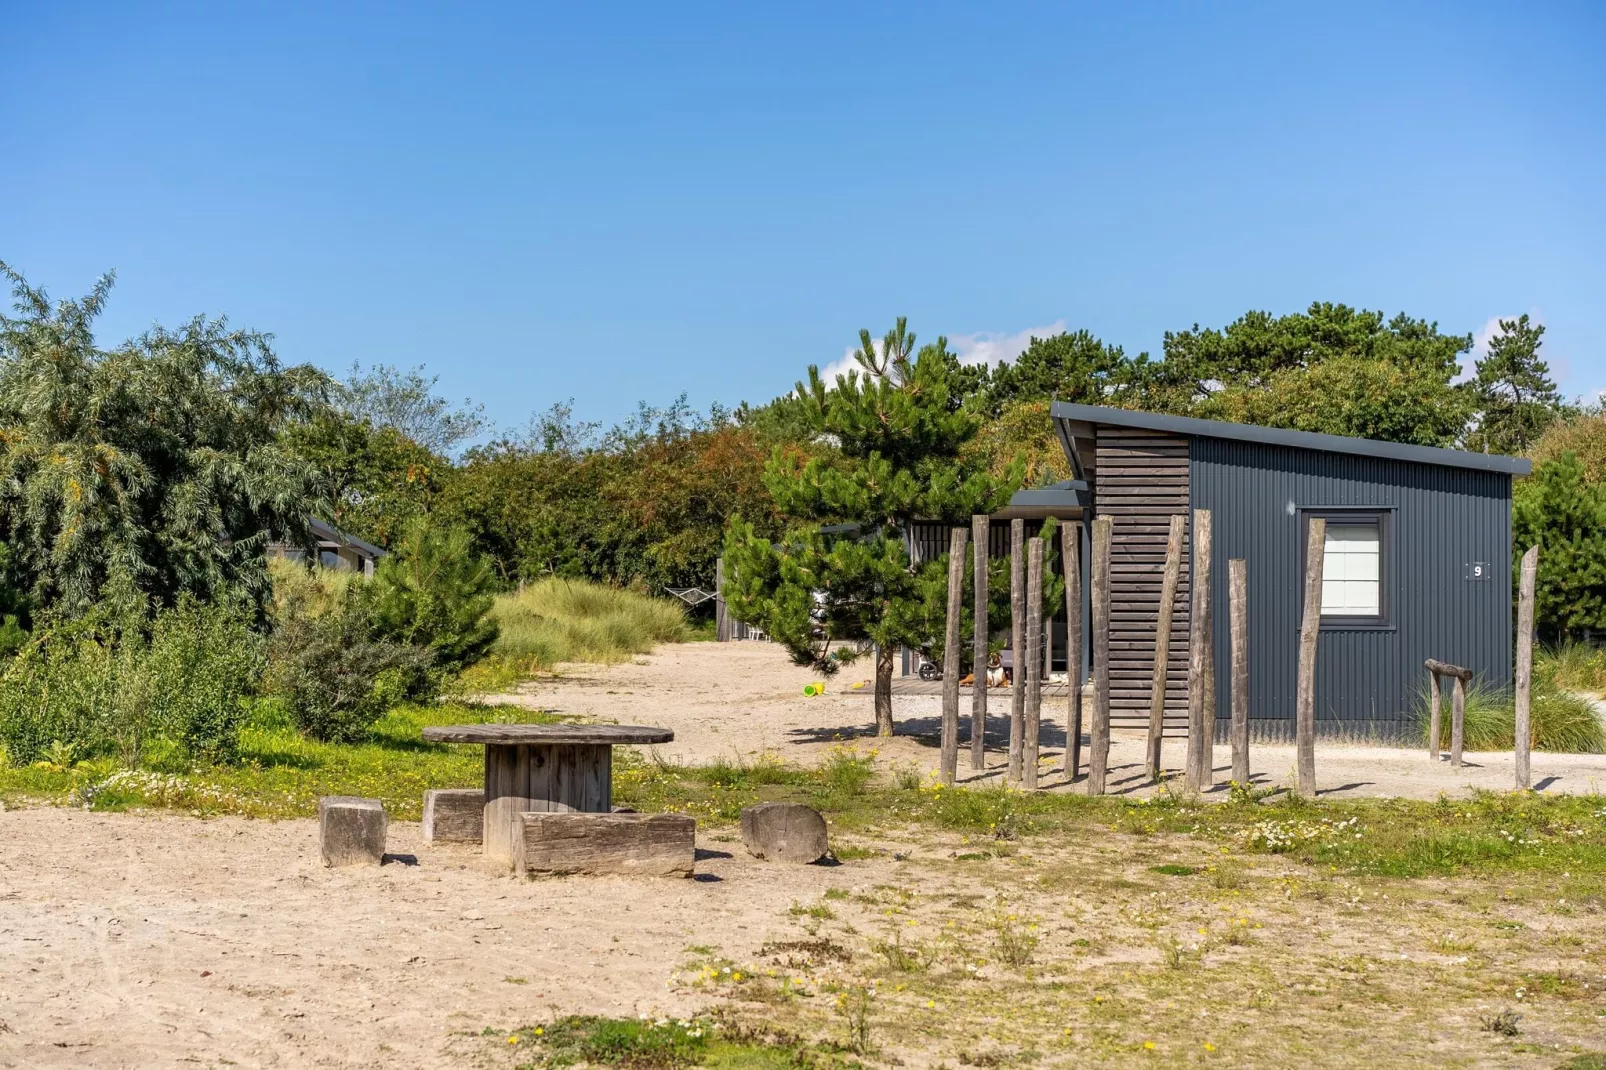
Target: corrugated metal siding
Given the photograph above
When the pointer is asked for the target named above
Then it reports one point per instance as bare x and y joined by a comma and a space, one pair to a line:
1367, 682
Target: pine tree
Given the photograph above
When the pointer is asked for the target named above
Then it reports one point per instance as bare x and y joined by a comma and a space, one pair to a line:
1516, 395
885, 450
1563, 514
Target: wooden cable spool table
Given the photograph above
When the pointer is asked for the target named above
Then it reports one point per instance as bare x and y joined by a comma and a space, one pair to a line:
543, 768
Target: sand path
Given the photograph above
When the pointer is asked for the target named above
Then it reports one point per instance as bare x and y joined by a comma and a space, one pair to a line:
742, 699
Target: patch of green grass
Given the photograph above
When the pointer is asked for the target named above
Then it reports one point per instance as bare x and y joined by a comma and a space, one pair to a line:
1172, 869
1574, 665
556, 620
666, 1044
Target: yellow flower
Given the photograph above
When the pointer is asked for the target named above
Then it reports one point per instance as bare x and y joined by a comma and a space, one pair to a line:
737, 976
1148, 1045
539, 1030
1209, 1046
512, 1040
931, 1004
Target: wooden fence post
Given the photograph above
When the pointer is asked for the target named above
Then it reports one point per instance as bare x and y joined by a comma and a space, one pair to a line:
1310, 627
1098, 758
1238, 612
1458, 717
1525, 664
1017, 647
979, 530
950, 656
1201, 663
1435, 705
722, 625
1071, 552
1162, 645
1034, 668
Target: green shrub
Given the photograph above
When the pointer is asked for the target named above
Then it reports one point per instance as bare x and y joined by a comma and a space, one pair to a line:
1574, 665
336, 679
203, 660
107, 682
434, 591
1560, 721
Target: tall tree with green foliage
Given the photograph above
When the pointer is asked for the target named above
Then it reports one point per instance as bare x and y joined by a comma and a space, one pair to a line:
1071, 366
1517, 399
1331, 369
887, 449
155, 468
1564, 514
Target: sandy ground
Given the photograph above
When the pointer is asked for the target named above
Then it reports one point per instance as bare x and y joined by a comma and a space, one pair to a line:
151, 940
739, 700
141, 940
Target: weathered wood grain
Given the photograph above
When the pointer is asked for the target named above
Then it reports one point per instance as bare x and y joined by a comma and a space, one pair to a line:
1305, 688
948, 759
608, 734
1238, 614
1525, 664
1099, 744
634, 844
1161, 656
1202, 660
1458, 720
1017, 647
980, 530
1071, 553
558, 778
1034, 665
454, 815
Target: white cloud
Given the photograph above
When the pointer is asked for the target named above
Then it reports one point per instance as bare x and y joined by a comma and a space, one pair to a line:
985, 347
982, 347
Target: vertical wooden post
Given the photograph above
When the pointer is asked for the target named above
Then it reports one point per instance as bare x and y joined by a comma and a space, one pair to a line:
1071, 552
1162, 644
1435, 704
1525, 663
950, 656
1238, 624
722, 628
1201, 662
979, 530
1018, 657
1098, 758
1034, 667
1310, 627
1458, 714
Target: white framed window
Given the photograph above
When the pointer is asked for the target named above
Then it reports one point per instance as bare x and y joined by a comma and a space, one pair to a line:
1352, 569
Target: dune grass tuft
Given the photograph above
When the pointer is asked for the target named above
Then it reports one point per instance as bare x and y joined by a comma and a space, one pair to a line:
1562, 720
559, 620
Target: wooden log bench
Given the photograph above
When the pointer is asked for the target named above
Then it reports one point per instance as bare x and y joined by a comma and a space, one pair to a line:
655, 845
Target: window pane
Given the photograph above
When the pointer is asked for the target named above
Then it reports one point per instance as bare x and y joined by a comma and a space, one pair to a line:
1350, 570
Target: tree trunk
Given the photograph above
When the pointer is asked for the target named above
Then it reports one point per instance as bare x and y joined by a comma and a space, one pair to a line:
883, 690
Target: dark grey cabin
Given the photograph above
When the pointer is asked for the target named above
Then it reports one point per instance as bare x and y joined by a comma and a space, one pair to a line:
1417, 562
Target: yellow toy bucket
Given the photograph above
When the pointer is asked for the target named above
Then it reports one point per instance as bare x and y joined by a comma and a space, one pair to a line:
814, 690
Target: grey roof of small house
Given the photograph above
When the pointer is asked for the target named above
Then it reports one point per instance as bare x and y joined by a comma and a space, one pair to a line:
327, 532
1305, 440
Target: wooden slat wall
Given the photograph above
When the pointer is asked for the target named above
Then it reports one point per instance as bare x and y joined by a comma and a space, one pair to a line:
1142, 482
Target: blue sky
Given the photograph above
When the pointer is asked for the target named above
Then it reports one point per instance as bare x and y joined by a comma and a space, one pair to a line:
616, 203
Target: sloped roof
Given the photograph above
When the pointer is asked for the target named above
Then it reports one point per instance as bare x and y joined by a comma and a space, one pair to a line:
1274, 436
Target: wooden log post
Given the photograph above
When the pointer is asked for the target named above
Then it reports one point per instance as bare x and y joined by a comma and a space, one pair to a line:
522, 777
1034, 667
1458, 703
1071, 552
722, 626
1098, 758
1305, 690
1017, 647
1458, 721
1201, 663
1238, 614
950, 655
980, 526
1525, 665
1162, 645
1435, 705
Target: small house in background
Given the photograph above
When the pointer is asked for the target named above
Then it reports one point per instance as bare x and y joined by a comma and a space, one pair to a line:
336, 549
1417, 562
